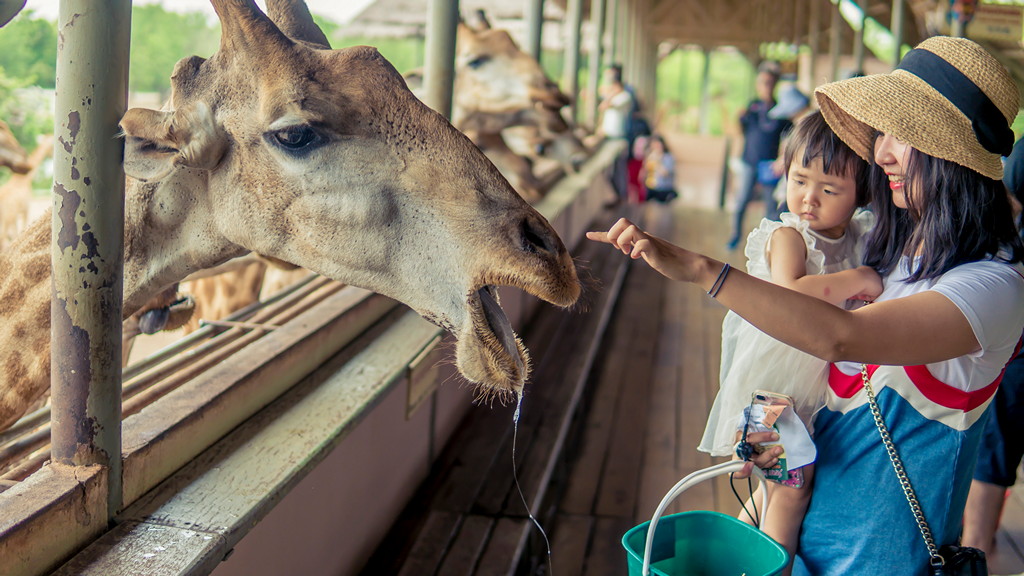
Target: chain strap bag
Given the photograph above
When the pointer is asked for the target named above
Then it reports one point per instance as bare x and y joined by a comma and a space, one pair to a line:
949, 560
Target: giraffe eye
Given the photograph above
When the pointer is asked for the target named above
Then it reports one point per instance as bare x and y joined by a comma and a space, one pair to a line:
297, 138
477, 62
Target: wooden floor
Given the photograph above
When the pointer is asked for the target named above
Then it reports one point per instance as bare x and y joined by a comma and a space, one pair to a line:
647, 402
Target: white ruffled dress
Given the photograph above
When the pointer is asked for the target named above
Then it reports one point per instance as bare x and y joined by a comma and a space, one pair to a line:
752, 360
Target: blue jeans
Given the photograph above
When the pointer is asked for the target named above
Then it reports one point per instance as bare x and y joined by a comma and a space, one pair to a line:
748, 186
1002, 447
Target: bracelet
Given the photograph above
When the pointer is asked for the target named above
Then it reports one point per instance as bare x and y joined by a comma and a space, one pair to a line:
720, 281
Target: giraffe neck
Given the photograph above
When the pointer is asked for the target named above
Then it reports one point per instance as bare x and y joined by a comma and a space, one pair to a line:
168, 235
165, 239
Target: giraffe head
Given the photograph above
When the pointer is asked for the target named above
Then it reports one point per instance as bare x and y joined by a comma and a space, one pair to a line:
324, 159
497, 85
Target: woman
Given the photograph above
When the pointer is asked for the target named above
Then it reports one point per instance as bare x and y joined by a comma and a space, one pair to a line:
935, 342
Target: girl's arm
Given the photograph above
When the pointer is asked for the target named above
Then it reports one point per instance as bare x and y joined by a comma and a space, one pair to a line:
920, 329
788, 261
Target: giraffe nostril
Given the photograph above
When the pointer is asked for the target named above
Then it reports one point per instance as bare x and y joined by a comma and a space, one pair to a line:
537, 238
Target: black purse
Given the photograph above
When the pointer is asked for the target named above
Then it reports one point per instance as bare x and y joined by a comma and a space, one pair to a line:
946, 561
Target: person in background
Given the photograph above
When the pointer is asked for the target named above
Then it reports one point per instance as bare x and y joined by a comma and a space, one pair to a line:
1002, 447
793, 105
616, 109
659, 171
761, 137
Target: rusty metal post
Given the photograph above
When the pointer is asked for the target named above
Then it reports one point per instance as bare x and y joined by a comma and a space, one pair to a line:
439, 67
88, 236
534, 16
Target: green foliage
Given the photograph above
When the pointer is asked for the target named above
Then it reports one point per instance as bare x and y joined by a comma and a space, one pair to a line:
27, 110
160, 38
28, 50
328, 26
680, 77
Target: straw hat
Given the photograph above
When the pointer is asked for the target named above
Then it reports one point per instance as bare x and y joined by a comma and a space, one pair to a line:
948, 98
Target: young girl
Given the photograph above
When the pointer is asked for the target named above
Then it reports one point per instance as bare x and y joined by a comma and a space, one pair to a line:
658, 172
933, 345
816, 249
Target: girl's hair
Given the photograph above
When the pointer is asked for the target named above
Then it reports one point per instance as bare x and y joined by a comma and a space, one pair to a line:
659, 139
816, 138
954, 215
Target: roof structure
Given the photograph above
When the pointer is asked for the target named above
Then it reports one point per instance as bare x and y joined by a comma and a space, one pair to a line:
742, 24
409, 18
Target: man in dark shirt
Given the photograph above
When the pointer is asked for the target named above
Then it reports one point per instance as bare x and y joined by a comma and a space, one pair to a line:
761, 135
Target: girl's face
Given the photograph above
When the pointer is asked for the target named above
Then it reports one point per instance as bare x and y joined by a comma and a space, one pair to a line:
893, 156
825, 201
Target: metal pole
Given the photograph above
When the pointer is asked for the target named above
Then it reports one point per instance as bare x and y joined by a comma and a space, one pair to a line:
835, 41
571, 71
858, 38
705, 95
897, 31
439, 68
88, 236
534, 28
614, 28
597, 22
814, 40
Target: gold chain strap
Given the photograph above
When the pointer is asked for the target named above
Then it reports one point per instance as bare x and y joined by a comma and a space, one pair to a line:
897, 464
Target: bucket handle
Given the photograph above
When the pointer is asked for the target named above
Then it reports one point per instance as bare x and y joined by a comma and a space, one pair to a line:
688, 482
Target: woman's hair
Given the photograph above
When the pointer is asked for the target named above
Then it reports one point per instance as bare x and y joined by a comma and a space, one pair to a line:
816, 138
954, 215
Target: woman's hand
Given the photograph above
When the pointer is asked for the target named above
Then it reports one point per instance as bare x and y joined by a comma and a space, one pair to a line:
667, 258
764, 460
872, 284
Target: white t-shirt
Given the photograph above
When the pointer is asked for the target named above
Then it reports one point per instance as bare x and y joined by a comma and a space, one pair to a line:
990, 294
613, 123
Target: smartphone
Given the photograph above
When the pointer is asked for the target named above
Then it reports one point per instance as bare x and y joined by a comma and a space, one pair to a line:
765, 409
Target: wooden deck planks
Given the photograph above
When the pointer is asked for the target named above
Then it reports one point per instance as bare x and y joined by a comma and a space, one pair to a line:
471, 496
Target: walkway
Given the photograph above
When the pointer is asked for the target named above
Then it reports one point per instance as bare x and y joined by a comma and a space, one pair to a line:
653, 387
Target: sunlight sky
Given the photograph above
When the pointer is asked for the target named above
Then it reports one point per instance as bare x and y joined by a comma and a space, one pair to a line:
340, 11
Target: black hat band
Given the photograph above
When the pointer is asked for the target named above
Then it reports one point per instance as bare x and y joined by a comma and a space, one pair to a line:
990, 126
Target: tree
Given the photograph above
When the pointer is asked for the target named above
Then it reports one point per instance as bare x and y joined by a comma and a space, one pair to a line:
28, 50
160, 38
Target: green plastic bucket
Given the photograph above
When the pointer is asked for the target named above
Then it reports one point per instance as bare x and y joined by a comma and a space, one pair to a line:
702, 543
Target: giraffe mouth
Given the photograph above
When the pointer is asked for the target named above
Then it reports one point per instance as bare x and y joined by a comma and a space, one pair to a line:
493, 357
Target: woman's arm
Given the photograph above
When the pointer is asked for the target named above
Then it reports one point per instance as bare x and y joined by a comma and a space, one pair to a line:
788, 259
919, 329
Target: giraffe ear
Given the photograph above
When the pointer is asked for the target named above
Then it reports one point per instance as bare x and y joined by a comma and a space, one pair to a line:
158, 141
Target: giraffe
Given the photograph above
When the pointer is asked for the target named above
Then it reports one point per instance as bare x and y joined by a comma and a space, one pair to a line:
500, 89
12, 155
16, 193
321, 158
541, 126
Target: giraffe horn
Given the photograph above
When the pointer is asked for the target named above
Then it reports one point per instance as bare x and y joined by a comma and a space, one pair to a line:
294, 19
245, 29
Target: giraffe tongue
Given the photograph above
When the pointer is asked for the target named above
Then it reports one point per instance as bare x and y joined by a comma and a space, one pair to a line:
500, 325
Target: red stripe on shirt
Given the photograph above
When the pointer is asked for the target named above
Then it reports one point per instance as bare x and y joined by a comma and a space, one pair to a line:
847, 385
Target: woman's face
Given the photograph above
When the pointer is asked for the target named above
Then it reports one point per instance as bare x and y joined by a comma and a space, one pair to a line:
893, 156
